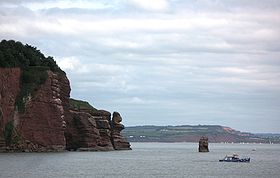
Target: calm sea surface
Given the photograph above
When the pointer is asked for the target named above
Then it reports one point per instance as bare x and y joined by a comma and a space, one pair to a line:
146, 160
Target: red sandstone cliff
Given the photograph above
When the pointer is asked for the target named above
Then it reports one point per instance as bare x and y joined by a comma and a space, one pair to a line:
43, 122
41, 127
9, 88
48, 123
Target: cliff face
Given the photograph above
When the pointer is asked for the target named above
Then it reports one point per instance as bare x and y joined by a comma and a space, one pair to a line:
41, 126
48, 123
42, 123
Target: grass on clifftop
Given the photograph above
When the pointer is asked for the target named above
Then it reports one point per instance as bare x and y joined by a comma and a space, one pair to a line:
79, 104
34, 66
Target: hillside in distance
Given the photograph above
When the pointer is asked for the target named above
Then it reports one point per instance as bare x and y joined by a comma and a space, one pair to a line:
192, 133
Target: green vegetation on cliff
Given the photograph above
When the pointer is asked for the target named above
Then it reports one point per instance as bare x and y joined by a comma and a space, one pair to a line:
1, 113
32, 78
34, 67
8, 132
11, 135
79, 104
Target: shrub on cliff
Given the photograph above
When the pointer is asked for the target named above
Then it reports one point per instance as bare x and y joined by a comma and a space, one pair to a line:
79, 104
15, 54
32, 78
8, 132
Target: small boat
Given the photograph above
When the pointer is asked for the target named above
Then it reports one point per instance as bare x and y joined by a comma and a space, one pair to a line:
234, 158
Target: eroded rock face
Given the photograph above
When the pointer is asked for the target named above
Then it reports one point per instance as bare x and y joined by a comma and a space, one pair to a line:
88, 130
203, 144
81, 132
103, 119
119, 142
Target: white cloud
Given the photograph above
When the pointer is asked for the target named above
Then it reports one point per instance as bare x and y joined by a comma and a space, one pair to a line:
73, 64
132, 100
82, 4
68, 63
235, 70
151, 5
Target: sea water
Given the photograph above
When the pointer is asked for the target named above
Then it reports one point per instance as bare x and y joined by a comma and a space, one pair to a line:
146, 160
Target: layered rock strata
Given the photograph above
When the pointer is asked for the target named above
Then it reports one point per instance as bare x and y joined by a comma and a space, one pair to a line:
87, 131
81, 132
94, 130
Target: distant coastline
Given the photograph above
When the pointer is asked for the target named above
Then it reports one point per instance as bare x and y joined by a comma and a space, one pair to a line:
192, 133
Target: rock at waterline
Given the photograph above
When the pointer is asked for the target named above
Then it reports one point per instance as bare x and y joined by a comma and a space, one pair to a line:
203, 145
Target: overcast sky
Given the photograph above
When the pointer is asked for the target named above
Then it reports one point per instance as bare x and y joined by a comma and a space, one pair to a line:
162, 62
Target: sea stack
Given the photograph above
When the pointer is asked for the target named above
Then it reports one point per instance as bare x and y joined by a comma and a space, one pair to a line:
119, 142
203, 145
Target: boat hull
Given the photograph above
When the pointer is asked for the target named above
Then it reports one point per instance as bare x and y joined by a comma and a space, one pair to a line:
245, 160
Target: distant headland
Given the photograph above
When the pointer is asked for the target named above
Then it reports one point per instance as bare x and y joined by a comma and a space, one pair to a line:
192, 133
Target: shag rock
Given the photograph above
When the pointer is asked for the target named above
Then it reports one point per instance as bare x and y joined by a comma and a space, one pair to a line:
203, 145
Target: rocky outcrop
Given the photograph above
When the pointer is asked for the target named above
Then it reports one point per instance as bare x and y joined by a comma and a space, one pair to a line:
203, 144
118, 140
94, 130
48, 122
88, 131
81, 132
